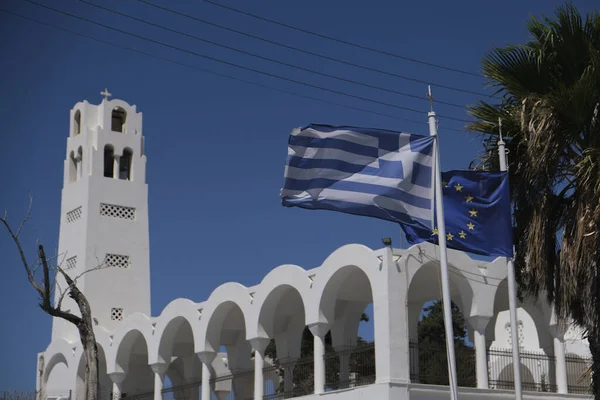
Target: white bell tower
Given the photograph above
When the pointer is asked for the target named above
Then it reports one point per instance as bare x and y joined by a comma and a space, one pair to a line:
104, 214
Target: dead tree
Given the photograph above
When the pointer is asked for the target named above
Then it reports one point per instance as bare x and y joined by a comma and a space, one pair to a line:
45, 289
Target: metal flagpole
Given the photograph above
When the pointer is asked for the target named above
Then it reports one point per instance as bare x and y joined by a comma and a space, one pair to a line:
441, 226
512, 291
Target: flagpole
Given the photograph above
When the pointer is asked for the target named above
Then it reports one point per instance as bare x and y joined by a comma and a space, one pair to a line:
441, 226
512, 291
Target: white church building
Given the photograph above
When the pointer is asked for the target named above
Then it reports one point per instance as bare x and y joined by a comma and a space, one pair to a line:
216, 348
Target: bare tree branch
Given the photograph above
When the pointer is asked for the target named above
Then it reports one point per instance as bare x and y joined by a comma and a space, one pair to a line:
46, 306
74, 281
22, 254
84, 323
26, 217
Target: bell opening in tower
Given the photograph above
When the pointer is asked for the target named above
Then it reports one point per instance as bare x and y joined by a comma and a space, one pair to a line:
118, 120
109, 161
125, 165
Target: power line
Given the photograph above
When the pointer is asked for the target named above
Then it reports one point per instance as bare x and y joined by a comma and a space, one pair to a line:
213, 72
267, 58
311, 53
356, 45
238, 65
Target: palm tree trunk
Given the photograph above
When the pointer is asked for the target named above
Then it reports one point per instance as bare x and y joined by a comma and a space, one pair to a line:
595, 352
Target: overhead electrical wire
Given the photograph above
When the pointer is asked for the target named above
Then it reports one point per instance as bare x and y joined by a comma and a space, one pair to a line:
356, 45
311, 53
267, 58
216, 73
238, 65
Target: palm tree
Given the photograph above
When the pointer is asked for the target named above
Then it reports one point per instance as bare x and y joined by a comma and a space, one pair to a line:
548, 94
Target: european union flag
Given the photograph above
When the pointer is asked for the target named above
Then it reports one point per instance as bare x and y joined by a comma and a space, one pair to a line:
477, 213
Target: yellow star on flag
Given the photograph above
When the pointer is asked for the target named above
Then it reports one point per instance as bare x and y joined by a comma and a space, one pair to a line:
444, 184
449, 236
471, 226
469, 199
473, 213
458, 187
435, 232
462, 234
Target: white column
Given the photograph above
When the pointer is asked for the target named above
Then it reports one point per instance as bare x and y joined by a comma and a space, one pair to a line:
159, 370
259, 345
192, 392
344, 356
414, 311
288, 377
390, 287
206, 357
561, 366
117, 379
319, 330
116, 166
239, 377
479, 324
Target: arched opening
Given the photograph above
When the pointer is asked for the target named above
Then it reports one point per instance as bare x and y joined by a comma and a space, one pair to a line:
132, 357
226, 334
57, 377
118, 120
109, 161
184, 372
72, 167
282, 318
77, 123
79, 163
505, 379
125, 164
349, 357
427, 333
104, 380
535, 344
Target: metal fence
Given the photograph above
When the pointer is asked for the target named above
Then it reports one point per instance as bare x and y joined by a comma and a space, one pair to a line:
579, 378
355, 366
429, 364
350, 367
538, 371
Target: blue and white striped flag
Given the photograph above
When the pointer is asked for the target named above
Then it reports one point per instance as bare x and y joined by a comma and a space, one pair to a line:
371, 172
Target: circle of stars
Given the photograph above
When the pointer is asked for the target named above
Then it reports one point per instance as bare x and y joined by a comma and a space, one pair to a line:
472, 213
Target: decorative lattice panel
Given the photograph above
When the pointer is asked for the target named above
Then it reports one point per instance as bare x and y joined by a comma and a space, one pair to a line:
114, 211
116, 314
74, 215
117, 260
519, 333
70, 263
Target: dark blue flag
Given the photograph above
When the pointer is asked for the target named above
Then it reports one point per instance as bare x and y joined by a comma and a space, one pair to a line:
477, 213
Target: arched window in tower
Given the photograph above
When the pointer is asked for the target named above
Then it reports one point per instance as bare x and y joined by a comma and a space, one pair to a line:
77, 123
125, 165
119, 117
72, 167
79, 163
109, 161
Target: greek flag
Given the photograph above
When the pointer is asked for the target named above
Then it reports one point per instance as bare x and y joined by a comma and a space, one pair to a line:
362, 171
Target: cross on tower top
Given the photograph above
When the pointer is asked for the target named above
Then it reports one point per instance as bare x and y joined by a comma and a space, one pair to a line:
106, 94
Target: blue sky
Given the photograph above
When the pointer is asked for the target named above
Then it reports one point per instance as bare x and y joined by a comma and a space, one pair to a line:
216, 147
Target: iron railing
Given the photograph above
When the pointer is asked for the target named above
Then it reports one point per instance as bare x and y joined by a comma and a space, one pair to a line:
429, 364
537, 370
355, 366
579, 378
350, 367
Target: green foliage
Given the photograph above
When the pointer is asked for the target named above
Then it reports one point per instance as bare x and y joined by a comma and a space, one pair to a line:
433, 361
549, 102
